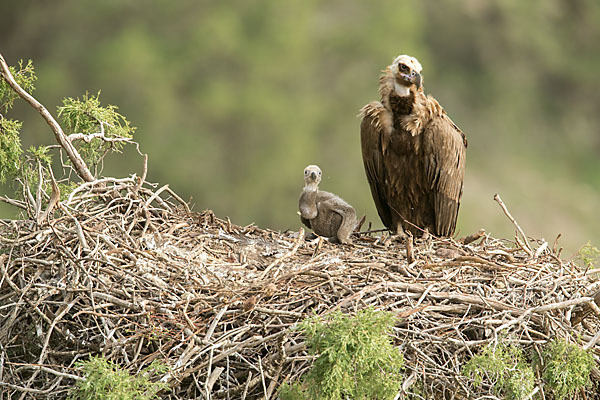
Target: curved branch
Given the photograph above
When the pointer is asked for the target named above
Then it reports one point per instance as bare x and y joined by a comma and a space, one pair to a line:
501, 203
80, 165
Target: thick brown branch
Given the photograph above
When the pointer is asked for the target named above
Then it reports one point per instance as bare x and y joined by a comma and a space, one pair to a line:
80, 165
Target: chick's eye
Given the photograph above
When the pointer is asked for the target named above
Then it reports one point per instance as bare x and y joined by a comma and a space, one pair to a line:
403, 67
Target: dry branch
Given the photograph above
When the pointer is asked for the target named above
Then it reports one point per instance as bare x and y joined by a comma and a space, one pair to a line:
527, 247
61, 138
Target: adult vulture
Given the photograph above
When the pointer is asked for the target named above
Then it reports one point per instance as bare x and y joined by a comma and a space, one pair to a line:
414, 155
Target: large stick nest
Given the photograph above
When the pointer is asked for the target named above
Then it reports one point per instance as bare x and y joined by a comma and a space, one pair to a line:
124, 270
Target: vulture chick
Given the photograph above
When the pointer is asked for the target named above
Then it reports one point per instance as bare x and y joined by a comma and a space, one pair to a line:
414, 155
323, 212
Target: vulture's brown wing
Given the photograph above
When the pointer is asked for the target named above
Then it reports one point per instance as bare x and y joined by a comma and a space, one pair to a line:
446, 146
371, 132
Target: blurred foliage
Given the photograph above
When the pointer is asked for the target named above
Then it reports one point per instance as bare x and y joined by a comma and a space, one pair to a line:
589, 255
233, 99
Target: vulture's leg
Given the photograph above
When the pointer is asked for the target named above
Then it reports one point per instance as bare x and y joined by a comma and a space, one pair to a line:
399, 235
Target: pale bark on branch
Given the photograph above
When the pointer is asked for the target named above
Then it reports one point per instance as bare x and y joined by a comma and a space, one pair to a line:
80, 166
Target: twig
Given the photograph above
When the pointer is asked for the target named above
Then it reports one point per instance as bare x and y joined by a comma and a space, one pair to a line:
510, 217
212, 379
156, 195
410, 253
88, 137
247, 385
213, 324
142, 179
179, 199
54, 198
13, 202
533, 392
287, 255
541, 249
373, 231
50, 370
262, 376
473, 237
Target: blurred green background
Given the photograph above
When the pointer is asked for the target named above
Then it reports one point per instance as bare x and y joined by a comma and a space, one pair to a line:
232, 99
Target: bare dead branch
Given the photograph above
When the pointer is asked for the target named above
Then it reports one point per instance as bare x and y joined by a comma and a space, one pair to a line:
511, 218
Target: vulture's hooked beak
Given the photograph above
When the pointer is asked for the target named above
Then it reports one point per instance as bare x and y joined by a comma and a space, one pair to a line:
313, 175
415, 78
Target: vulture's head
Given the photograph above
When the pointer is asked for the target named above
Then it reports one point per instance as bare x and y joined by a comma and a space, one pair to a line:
406, 71
312, 175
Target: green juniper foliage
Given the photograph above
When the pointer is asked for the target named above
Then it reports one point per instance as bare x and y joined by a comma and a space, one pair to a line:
10, 148
87, 116
356, 358
41, 153
291, 392
11, 152
24, 76
10, 142
106, 380
567, 368
589, 255
504, 367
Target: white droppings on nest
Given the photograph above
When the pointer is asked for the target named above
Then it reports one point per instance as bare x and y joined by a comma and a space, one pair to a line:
148, 242
333, 261
202, 257
279, 254
223, 235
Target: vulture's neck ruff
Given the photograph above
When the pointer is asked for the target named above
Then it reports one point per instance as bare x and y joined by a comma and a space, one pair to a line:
401, 106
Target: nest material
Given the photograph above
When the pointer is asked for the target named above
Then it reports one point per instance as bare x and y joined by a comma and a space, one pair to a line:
125, 270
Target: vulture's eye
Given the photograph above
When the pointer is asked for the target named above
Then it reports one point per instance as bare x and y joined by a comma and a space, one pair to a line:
403, 67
